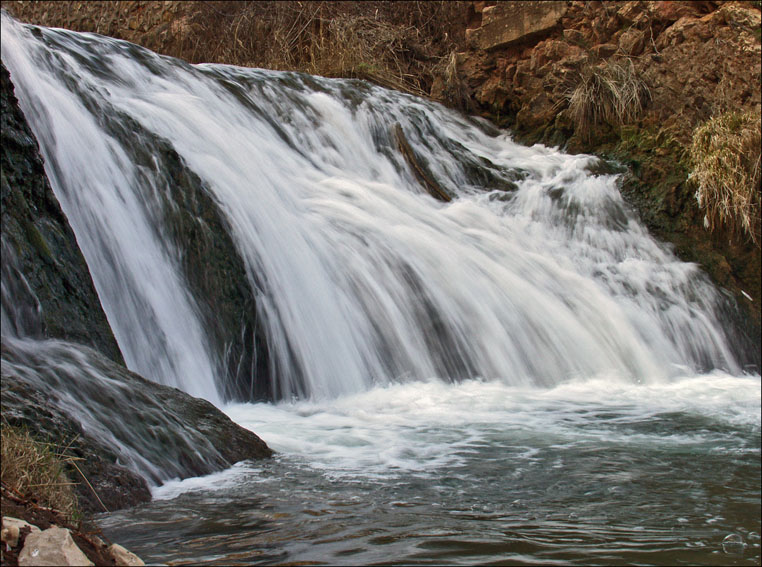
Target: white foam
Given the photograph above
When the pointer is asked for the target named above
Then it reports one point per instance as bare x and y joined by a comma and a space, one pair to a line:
422, 427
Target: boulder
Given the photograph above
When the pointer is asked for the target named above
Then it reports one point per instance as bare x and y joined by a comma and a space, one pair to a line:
124, 428
53, 546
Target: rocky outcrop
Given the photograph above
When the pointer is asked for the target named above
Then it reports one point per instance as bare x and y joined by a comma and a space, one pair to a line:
47, 290
118, 426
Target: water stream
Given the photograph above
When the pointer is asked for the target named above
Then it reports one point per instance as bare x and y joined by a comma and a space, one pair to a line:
521, 375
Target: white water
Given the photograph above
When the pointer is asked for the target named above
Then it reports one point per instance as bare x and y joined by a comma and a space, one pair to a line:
607, 419
369, 281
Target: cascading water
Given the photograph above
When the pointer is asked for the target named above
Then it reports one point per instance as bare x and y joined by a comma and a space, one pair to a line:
535, 274
370, 297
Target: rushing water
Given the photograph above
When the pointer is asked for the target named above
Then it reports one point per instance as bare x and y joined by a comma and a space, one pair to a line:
521, 375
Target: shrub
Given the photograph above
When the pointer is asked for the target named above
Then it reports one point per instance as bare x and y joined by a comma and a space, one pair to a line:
611, 93
725, 161
35, 471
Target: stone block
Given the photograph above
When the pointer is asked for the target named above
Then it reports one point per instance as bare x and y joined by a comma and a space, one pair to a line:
510, 23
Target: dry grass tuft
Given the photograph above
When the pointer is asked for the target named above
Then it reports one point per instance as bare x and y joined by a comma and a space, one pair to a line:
725, 156
611, 93
35, 471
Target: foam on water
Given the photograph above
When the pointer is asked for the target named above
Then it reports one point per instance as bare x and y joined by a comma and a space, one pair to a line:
422, 427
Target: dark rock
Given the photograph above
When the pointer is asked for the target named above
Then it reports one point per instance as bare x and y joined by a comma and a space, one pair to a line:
125, 429
47, 288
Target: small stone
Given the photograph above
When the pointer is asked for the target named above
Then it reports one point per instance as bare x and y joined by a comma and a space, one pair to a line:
123, 557
574, 36
53, 546
11, 529
604, 50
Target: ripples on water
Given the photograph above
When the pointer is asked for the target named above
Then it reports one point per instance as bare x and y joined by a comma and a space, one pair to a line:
597, 472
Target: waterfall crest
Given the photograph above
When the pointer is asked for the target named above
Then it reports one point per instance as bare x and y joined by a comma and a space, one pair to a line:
351, 274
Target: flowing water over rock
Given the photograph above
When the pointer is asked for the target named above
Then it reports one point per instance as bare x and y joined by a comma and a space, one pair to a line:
520, 374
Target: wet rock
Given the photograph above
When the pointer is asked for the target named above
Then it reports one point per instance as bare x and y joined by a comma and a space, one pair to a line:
47, 289
120, 425
123, 557
53, 546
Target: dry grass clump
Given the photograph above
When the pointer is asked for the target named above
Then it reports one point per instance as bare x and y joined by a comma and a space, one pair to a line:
611, 93
35, 471
395, 44
725, 156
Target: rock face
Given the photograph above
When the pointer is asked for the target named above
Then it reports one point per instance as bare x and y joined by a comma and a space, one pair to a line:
47, 289
53, 546
515, 22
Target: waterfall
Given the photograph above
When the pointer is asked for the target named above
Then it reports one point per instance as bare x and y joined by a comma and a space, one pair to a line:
536, 272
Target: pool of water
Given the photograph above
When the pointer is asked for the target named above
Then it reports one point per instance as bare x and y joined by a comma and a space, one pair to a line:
596, 471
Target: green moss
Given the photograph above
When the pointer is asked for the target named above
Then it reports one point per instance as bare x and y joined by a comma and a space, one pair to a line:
36, 239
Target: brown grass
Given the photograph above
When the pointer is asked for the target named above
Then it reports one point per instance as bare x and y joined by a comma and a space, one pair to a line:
611, 93
35, 471
394, 44
725, 157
